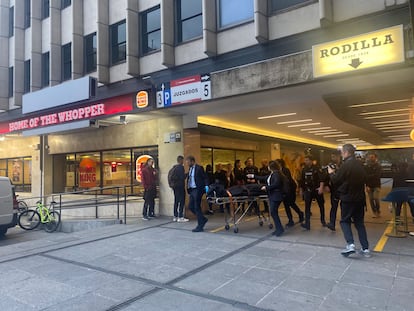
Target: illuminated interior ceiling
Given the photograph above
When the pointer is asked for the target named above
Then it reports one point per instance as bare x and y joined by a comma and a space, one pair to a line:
371, 111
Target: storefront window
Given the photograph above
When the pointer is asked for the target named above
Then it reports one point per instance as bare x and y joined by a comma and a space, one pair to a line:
89, 170
19, 171
116, 168
215, 156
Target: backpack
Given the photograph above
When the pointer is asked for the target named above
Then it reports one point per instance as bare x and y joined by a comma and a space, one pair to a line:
173, 177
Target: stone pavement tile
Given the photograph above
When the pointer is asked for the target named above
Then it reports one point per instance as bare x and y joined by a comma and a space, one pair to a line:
299, 252
285, 265
263, 276
40, 293
399, 302
86, 302
384, 264
403, 286
167, 300
280, 299
368, 279
320, 270
9, 304
314, 286
245, 260
246, 291
357, 297
204, 282
406, 267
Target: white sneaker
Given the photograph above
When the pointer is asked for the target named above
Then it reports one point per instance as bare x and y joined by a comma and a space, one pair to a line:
182, 219
175, 219
365, 252
349, 249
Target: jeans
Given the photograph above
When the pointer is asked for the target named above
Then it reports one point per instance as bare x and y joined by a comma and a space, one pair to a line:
149, 202
195, 206
354, 212
291, 204
309, 196
373, 195
179, 201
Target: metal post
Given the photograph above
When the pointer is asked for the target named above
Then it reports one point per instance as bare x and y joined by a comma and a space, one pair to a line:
117, 202
394, 233
96, 204
125, 210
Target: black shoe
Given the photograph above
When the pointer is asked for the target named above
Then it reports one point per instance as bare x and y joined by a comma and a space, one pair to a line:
290, 224
331, 227
197, 229
204, 222
301, 217
209, 212
305, 226
278, 233
323, 224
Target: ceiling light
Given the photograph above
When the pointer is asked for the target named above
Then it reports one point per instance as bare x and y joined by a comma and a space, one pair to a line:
336, 135
396, 130
395, 127
387, 116
325, 133
277, 116
295, 121
395, 136
392, 121
306, 124
380, 103
348, 139
383, 111
317, 128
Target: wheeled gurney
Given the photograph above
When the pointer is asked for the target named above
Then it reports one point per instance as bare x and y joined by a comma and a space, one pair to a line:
242, 205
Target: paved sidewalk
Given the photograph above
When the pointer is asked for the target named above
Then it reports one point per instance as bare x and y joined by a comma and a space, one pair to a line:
160, 265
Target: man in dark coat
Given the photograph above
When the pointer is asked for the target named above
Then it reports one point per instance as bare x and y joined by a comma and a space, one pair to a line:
349, 181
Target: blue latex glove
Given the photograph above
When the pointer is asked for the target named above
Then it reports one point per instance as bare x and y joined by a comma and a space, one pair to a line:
206, 189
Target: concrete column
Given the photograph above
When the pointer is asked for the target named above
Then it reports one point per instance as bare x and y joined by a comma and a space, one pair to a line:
4, 52
18, 52
36, 42
55, 43
132, 23
209, 28
77, 40
261, 21
325, 12
168, 153
167, 33
102, 41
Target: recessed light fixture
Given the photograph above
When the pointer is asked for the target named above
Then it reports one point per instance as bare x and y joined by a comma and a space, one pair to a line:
392, 121
387, 116
383, 111
323, 131
306, 124
380, 103
317, 128
328, 133
395, 127
277, 116
396, 136
396, 130
294, 121
336, 135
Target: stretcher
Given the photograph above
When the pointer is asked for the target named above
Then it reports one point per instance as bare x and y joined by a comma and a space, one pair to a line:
239, 207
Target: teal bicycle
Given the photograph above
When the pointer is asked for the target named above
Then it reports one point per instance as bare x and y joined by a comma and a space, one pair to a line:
30, 219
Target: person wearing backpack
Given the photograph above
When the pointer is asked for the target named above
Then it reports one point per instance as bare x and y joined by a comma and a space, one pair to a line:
176, 181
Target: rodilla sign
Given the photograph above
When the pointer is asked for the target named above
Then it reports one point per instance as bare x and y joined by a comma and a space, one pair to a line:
103, 108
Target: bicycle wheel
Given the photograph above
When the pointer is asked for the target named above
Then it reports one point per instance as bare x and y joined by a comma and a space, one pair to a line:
22, 206
53, 221
29, 219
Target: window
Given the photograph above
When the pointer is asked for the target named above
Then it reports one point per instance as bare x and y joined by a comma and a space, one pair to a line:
118, 42
27, 14
234, 12
278, 5
151, 30
11, 78
65, 3
90, 53
45, 9
26, 78
19, 171
66, 62
11, 22
189, 19
45, 69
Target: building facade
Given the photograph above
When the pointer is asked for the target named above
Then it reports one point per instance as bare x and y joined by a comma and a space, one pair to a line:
171, 77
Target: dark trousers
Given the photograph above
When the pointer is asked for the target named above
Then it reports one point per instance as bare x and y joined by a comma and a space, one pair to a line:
149, 202
354, 212
290, 203
334, 209
398, 206
195, 206
179, 201
309, 196
274, 206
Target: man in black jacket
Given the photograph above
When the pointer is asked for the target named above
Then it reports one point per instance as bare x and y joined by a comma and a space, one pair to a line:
350, 180
196, 184
373, 184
